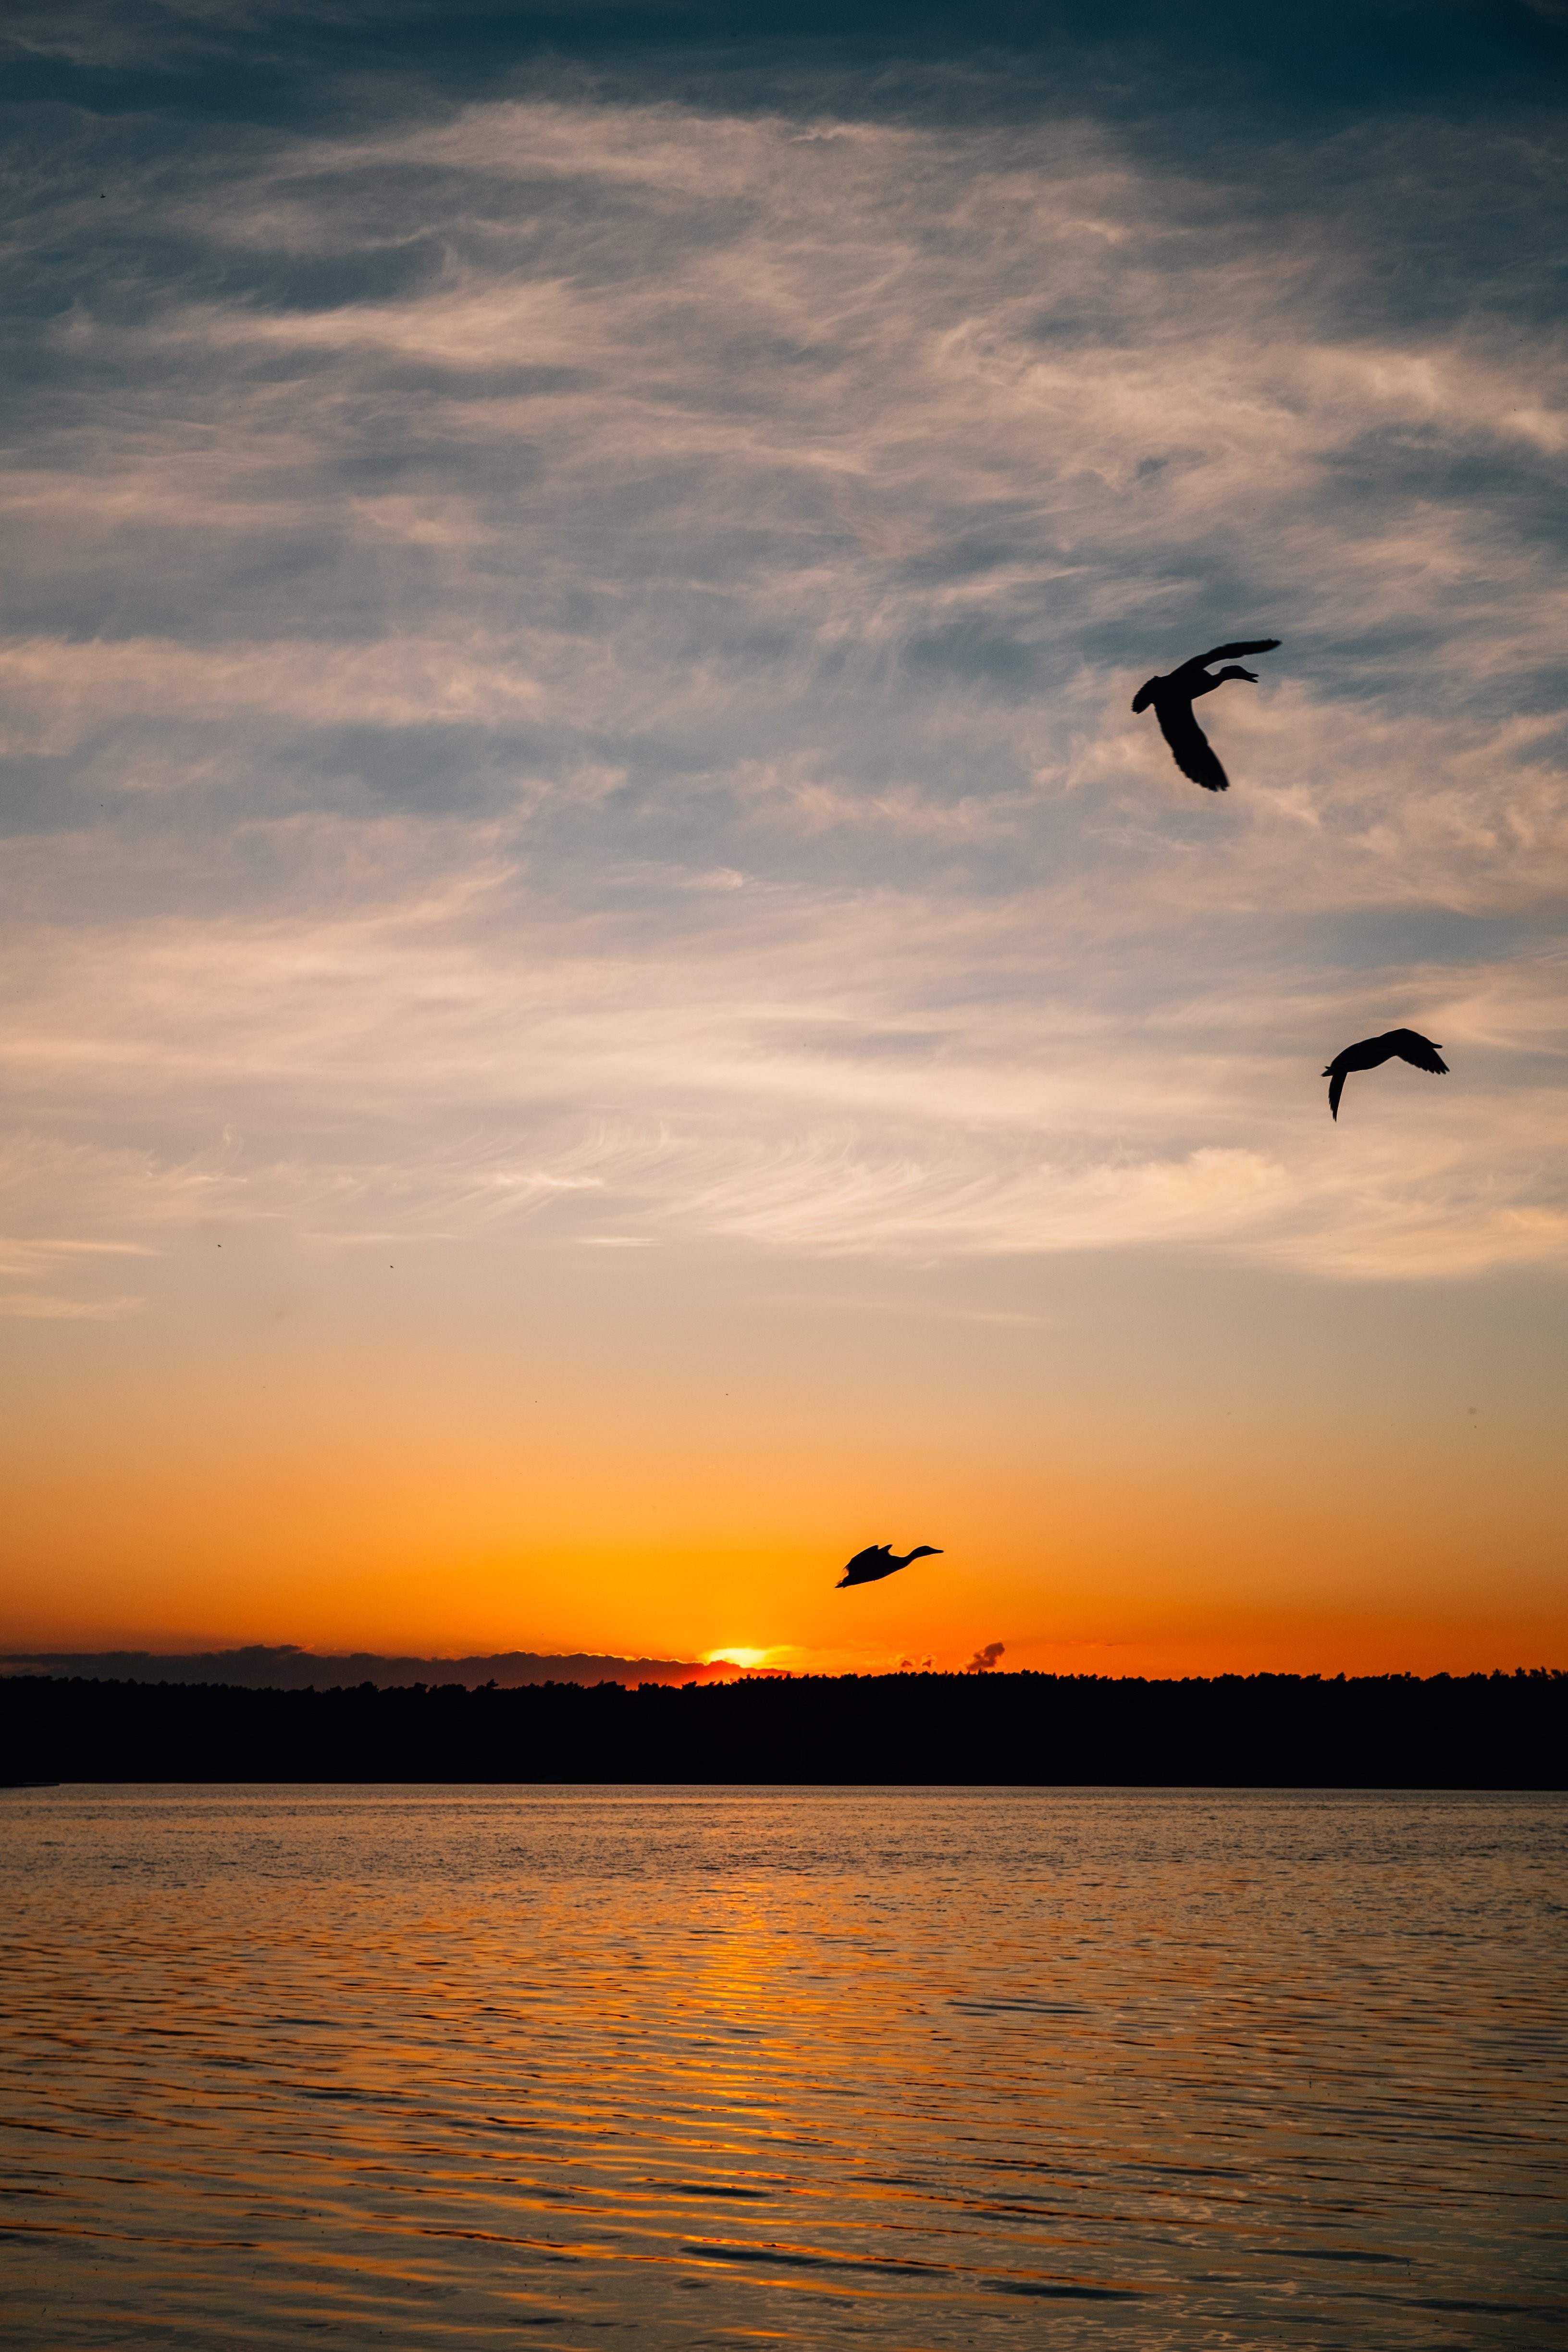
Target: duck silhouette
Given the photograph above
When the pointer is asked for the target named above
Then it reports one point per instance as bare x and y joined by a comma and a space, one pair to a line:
1408, 1043
1174, 695
877, 1561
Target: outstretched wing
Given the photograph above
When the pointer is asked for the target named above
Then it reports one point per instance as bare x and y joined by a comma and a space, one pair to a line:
1336, 1088
865, 1568
1420, 1052
1235, 652
1190, 747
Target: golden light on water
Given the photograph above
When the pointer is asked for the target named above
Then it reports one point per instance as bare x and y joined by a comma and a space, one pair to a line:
846, 2068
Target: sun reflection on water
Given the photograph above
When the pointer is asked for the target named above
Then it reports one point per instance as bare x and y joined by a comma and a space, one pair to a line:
888, 2066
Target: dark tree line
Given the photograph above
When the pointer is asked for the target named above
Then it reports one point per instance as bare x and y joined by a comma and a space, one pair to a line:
1473, 1731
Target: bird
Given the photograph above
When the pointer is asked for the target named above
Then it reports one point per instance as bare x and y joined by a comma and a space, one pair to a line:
1371, 1052
878, 1561
1172, 697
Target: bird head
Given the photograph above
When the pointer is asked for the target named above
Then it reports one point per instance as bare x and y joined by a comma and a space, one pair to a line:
921, 1550
1234, 670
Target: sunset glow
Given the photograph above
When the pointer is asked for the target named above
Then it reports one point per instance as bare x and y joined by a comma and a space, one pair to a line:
606, 999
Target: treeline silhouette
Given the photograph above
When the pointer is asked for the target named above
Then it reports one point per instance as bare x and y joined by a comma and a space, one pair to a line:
1471, 1731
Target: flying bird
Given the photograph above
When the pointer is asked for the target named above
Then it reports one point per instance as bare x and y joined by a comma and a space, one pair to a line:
1371, 1052
1173, 697
877, 1561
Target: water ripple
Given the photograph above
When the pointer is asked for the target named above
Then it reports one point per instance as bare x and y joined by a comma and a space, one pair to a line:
900, 2068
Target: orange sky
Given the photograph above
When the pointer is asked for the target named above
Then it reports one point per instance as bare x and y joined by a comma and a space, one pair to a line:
1129, 1468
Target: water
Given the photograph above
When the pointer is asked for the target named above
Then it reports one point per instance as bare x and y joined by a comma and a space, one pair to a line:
912, 2068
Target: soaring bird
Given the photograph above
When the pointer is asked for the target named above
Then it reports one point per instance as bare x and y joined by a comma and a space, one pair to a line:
1371, 1052
1173, 697
876, 1560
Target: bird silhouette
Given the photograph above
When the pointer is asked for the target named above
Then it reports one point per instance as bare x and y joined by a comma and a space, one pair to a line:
877, 1561
1408, 1043
1172, 697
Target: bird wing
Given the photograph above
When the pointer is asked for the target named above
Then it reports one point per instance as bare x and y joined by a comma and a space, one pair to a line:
1336, 1088
1420, 1052
1190, 747
1233, 653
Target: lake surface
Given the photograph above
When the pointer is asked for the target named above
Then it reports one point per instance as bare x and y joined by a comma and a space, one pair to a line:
912, 2068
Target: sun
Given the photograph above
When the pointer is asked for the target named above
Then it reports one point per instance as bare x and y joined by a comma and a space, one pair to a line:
730, 1656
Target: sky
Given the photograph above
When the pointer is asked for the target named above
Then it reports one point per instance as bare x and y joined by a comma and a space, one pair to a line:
605, 1000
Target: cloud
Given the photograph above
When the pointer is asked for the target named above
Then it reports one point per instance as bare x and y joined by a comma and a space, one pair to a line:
576, 655
58, 693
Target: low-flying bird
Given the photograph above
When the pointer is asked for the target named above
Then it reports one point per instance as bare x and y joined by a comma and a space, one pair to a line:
1408, 1043
1173, 697
877, 1560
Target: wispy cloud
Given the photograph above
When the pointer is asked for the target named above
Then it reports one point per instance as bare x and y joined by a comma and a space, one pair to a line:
576, 651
